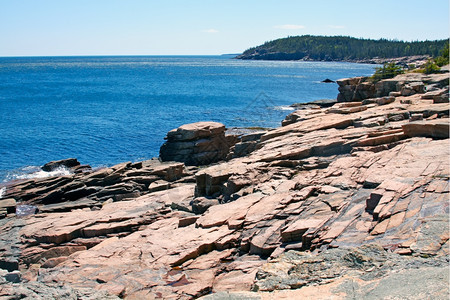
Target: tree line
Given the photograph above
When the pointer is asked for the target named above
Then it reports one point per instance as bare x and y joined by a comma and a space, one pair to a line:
331, 48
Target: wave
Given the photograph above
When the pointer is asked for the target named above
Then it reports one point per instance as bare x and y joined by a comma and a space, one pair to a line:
283, 107
32, 172
2, 192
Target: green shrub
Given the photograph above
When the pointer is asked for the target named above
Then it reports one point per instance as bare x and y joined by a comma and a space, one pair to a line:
444, 58
388, 70
431, 67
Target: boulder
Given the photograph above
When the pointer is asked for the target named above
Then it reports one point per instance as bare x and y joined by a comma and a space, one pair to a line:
355, 89
65, 163
199, 143
201, 204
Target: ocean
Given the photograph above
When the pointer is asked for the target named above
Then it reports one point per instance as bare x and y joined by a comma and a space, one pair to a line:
106, 110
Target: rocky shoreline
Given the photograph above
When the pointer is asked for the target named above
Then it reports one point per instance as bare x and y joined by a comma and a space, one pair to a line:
417, 60
342, 201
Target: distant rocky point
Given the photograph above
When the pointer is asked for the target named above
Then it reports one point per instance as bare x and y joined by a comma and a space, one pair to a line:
344, 48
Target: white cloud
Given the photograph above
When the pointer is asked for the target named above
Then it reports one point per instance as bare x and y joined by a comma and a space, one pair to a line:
337, 26
289, 26
210, 30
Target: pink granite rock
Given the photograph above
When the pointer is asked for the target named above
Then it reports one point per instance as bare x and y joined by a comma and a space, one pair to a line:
326, 185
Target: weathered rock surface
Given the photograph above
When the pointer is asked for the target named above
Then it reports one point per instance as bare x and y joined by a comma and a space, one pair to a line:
91, 188
66, 163
366, 272
360, 88
199, 143
348, 201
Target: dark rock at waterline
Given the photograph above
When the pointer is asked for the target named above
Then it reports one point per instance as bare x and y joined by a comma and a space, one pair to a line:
67, 163
328, 81
324, 102
321, 103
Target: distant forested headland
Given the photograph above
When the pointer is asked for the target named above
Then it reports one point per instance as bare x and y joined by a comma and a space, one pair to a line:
340, 48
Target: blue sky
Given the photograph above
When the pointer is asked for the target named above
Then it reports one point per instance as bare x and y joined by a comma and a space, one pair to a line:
175, 27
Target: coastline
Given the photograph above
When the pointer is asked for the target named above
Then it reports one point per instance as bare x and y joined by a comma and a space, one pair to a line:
119, 109
418, 60
363, 181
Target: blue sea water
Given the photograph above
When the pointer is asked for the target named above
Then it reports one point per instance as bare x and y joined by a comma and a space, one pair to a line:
106, 110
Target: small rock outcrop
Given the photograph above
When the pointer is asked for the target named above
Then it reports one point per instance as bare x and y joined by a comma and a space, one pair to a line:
361, 88
196, 144
65, 163
246, 144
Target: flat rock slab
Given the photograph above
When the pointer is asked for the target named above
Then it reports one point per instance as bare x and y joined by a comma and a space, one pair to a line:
196, 130
434, 128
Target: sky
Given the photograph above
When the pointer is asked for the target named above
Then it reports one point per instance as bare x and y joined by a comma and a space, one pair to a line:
204, 27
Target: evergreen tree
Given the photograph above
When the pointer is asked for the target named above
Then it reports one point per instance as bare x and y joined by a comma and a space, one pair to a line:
444, 58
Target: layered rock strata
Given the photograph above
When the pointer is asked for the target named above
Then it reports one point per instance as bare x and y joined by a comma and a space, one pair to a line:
347, 201
432, 86
90, 188
200, 143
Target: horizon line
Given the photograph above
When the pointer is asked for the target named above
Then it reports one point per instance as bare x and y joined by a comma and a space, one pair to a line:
116, 55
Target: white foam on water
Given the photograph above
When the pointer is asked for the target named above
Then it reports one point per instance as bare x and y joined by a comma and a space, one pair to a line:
36, 172
2, 192
284, 107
